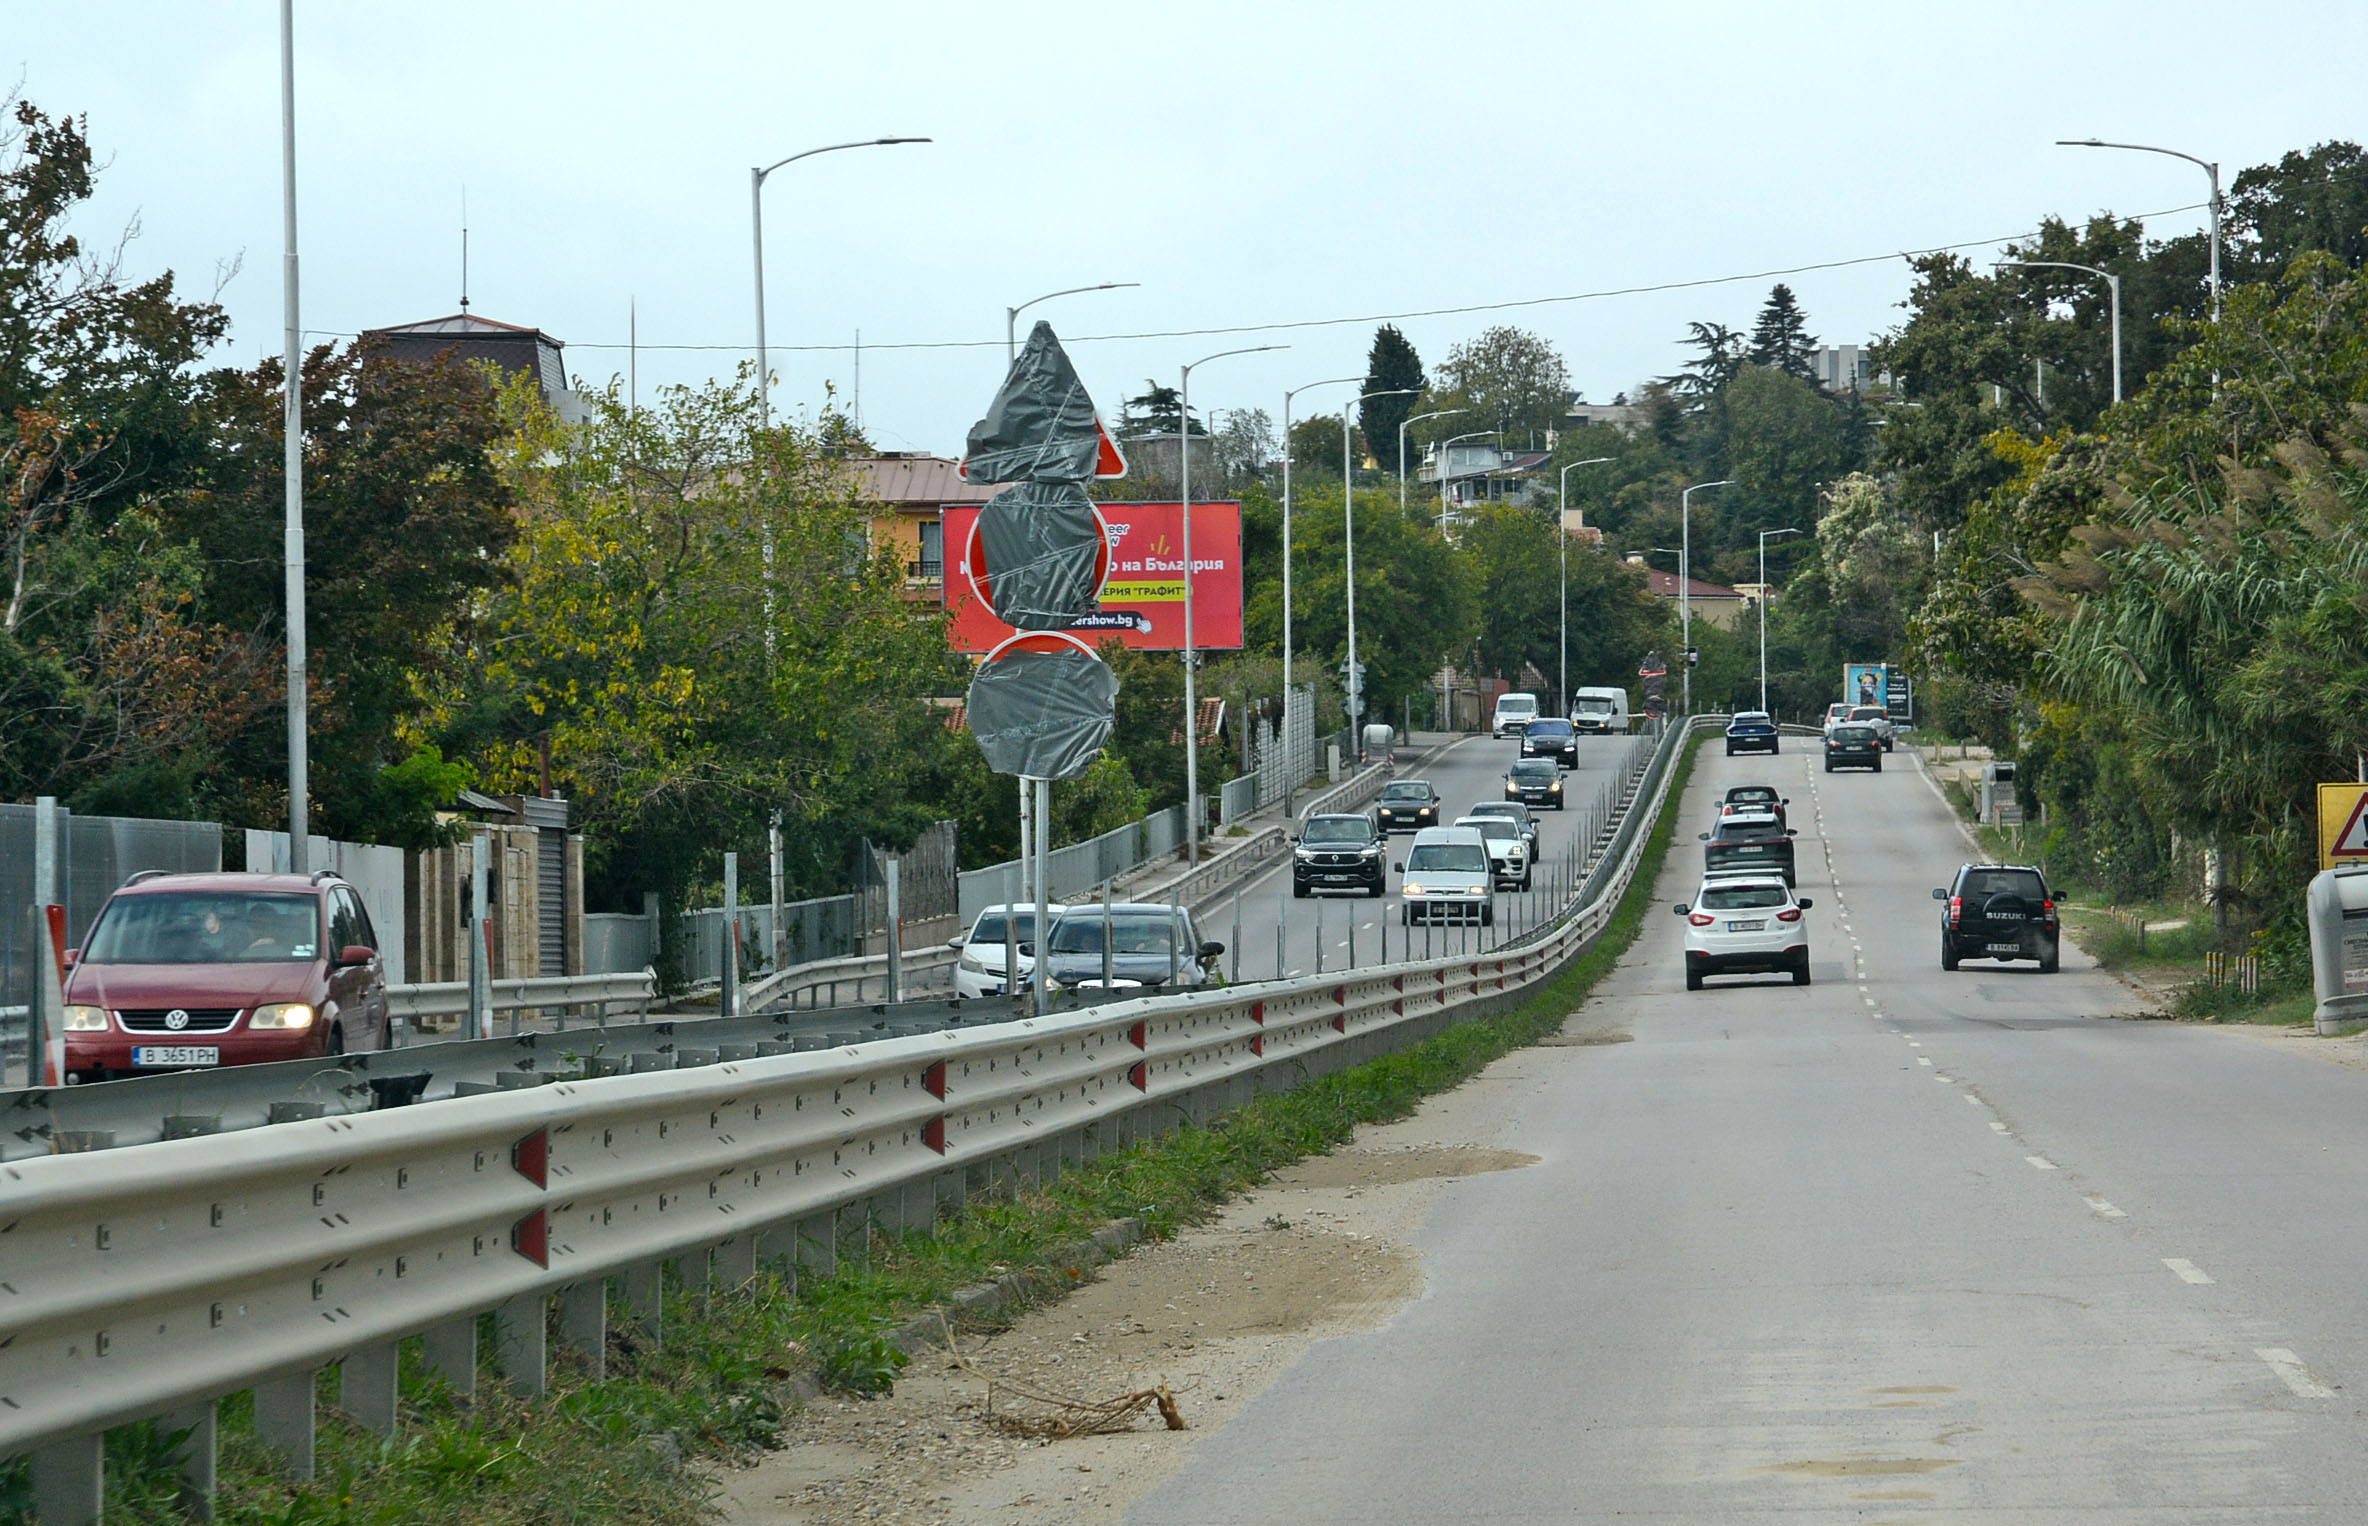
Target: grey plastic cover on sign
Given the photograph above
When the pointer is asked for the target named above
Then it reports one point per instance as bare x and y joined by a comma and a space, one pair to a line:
1040, 428
1042, 545
1043, 715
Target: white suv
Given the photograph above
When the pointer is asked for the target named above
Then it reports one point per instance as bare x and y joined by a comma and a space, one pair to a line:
1508, 848
1875, 718
1745, 924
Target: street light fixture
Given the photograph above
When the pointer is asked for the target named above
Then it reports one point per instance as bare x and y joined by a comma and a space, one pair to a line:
1562, 536
2112, 282
1011, 315
2211, 172
292, 430
1442, 413
1348, 510
1291, 765
1191, 705
1765, 537
1685, 580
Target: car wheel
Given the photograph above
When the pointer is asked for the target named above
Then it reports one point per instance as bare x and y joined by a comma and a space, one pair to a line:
1800, 972
1377, 891
1730, 749
1878, 763
1948, 953
2050, 961
336, 1039
1829, 765
1775, 751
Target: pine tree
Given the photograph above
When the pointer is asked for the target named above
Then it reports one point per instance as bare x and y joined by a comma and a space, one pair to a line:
1392, 366
1781, 340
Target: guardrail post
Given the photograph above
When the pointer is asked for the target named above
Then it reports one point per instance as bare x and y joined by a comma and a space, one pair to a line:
194, 1455
583, 1323
521, 1346
70, 1481
818, 1243
727, 1000
895, 982
644, 1288
284, 1420
735, 1261
366, 1388
450, 1351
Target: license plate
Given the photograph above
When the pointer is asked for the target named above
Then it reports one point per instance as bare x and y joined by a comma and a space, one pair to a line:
176, 1054
2005, 948
1338, 879
1747, 927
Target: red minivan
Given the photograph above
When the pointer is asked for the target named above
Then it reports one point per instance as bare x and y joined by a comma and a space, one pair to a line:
185, 971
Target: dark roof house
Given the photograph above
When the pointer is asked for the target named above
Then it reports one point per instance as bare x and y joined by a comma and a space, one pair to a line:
466, 337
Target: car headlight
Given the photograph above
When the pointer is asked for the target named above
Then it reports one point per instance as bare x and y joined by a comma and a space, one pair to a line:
86, 1020
1475, 890
1410, 888
294, 1016
1558, 786
973, 964
1370, 850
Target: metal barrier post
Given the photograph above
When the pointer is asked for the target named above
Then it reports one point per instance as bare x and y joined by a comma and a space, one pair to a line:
1282, 909
1175, 949
480, 1021
895, 934
727, 998
1235, 947
1042, 983
1109, 940
1319, 900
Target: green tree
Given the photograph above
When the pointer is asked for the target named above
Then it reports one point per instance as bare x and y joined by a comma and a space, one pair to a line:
1780, 339
1613, 618
2308, 200
1392, 366
1509, 380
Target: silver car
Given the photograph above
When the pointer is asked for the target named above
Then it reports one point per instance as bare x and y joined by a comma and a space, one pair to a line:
1448, 878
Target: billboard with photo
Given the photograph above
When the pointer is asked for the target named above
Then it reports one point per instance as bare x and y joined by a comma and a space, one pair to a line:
1142, 603
1866, 683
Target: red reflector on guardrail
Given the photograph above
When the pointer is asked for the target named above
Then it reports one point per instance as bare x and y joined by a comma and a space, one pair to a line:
531, 1157
531, 1237
933, 1133
1340, 1022
1258, 1043
1139, 1036
1258, 1013
1140, 1075
934, 1079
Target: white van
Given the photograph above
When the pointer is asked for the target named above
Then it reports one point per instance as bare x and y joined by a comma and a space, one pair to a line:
1599, 710
1514, 712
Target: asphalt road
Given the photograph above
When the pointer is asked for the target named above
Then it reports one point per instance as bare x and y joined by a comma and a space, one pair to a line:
1349, 929
1898, 1246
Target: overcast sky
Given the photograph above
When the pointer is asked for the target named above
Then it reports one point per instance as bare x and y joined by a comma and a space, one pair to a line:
1248, 164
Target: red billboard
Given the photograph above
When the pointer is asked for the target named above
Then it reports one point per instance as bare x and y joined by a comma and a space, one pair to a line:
1142, 603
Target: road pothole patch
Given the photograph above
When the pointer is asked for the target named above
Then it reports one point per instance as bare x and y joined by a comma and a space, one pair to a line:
1389, 1168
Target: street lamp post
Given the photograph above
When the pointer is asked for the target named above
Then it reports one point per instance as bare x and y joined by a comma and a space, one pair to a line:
292, 427
1348, 509
1291, 765
1562, 538
1011, 315
1765, 537
1191, 705
1011, 352
1685, 580
2211, 173
1402, 423
764, 414
2113, 285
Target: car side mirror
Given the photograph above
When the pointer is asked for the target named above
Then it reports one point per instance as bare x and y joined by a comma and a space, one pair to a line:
1792, 832
1804, 903
1705, 836
1784, 800
957, 940
355, 953
1397, 868
1940, 895
1681, 908
73, 956
1028, 949
1211, 950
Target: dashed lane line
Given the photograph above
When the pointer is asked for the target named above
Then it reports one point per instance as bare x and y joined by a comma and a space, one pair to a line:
2104, 1209
2292, 1373
2188, 1271
2040, 1162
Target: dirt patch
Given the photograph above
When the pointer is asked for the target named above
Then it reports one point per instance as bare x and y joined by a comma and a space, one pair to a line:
1386, 1168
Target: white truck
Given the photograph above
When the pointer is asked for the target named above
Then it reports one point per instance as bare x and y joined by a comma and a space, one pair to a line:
1601, 712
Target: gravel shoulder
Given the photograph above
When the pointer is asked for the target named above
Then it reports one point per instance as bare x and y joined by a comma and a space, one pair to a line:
1219, 1313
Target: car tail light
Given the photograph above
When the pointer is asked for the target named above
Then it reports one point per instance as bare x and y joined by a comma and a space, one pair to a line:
1699, 920
1789, 914
1956, 909
2047, 905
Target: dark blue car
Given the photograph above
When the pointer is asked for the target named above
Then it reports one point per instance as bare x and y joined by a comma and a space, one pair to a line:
1751, 731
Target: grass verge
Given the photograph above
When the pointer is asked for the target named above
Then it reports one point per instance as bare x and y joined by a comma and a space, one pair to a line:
629, 1450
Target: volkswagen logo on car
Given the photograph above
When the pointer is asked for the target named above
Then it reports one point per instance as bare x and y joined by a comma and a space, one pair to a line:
177, 1019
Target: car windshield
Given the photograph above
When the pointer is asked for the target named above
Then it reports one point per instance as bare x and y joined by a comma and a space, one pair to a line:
1749, 829
1588, 705
1742, 897
1353, 829
206, 927
1549, 728
1981, 884
1747, 794
1454, 857
1146, 933
1869, 713
990, 928
1752, 718
1853, 734
1407, 789
1517, 704
1507, 811
1536, 768
1494, 828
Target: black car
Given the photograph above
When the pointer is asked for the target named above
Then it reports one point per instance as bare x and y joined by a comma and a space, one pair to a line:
1551, 737
1535, 781
1407, 805
1338, 853
1145, 944
1999, 911
1755, 844
1853, 747
1743, 799
1751, 731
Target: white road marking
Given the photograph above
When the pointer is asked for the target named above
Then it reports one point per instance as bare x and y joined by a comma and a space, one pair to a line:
2292, 1373
2041, 1162
2000, 1127
2188, 1271
1976, 1101
1869, 1000
1944, 1080
2104, 1209
1915, 1043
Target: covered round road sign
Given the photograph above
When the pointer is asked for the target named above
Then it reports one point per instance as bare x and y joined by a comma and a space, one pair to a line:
1049, 551
1042, 705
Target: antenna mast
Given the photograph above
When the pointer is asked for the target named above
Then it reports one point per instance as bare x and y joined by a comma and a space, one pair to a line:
464, 250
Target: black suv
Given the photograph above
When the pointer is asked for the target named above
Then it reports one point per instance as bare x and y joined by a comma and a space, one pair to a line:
1752, 731
1756, 844
1407, 805
1551, 737
1999, 911
1337, 853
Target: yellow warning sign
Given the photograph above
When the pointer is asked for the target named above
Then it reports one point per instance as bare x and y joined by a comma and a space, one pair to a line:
2343, 824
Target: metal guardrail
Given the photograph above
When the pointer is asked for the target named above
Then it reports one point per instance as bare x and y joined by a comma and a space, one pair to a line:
250, 1259
450, 998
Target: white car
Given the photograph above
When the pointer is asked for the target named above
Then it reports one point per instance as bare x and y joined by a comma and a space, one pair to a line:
1508, 848
1448, 878
1835, 714
1745, 925
1875, 718
979, 972
1514, 712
